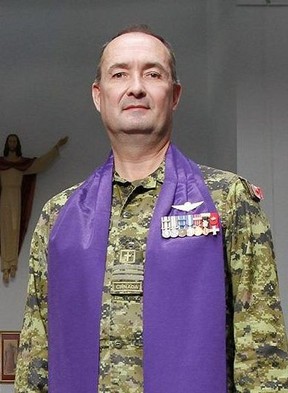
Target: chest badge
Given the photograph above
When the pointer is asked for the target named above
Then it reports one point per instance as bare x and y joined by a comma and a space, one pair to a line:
187, 206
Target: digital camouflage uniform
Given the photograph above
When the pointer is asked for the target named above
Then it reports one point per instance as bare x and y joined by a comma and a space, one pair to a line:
256, 343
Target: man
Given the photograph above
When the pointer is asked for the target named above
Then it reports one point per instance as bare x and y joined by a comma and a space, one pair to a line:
17, 184
139, 264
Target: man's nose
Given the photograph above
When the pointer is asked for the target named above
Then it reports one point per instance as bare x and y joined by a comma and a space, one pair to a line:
136, 86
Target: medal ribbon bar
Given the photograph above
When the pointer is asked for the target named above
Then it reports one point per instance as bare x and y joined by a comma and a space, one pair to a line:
190, 225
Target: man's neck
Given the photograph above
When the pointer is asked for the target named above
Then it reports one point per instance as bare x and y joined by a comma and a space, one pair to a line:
137, 162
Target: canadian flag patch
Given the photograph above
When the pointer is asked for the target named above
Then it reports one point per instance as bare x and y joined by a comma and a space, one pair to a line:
257, 191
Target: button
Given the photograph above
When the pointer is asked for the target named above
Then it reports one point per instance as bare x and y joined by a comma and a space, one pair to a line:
126, 214
118, 343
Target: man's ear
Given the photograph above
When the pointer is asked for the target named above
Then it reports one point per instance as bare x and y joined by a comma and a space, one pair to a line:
96, 95
177, 89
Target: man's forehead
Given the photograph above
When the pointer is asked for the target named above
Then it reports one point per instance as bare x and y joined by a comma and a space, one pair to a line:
134, 44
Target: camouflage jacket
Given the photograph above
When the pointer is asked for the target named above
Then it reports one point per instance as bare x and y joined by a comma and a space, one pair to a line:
257, 356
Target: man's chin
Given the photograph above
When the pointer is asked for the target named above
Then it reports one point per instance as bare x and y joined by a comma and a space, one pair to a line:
137, 129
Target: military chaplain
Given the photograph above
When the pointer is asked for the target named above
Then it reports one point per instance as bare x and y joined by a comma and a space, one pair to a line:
161, 272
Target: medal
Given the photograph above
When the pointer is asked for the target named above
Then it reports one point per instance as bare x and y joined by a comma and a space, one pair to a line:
198, 231
189, 225
214, 223
197, 221
190, 230
174, 226
165, 226
182, 226
205, 224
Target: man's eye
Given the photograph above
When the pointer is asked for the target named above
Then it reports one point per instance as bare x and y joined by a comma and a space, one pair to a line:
154, 75
118, 75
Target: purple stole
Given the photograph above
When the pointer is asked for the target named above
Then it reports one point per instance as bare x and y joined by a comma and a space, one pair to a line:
184, 291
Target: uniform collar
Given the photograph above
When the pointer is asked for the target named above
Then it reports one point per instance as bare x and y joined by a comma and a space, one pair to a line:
148, 182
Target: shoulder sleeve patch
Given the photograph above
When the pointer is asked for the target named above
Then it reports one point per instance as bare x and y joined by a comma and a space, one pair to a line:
255, 191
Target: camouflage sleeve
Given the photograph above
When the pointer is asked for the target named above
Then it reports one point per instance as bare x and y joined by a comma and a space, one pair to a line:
261, 359
32, 362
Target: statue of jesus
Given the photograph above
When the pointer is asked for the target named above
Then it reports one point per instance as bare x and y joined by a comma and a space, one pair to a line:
17, 184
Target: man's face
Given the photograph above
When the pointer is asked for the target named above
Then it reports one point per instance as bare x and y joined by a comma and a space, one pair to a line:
12, 143
136, 94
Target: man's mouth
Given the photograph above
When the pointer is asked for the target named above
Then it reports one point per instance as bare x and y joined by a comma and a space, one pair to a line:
131, 107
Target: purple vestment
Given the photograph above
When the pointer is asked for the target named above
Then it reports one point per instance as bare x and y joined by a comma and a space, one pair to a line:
184, 291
